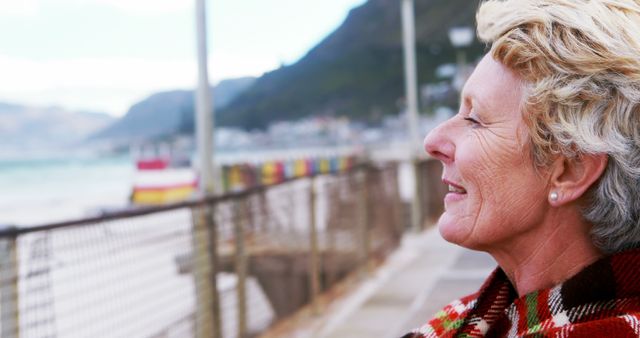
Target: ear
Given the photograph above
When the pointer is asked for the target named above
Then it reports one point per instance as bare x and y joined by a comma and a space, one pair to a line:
571, 177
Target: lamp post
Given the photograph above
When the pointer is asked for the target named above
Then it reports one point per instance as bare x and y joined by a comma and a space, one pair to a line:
411, 88
204, 238
410, 73
460, 37
204, 107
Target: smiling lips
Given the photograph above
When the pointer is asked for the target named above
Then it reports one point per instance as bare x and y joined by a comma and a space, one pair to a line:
454, 188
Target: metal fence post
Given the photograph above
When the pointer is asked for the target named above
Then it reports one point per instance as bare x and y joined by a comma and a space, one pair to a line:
212, 232
427, 195
314, 259
398, 206
206, 288
241, 267
364, 218
416, 203
9, 310
264, 220
433, 193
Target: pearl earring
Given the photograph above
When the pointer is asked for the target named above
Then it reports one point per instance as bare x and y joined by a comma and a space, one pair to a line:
553, 196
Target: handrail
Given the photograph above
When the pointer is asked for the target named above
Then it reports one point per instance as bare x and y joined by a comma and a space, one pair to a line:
17, 230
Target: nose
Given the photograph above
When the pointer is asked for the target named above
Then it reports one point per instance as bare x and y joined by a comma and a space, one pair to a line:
438, 142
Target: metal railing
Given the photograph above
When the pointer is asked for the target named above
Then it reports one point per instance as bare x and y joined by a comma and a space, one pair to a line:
224, 266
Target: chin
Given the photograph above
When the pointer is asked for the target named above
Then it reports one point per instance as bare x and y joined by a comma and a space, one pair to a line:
454, 231
450, 230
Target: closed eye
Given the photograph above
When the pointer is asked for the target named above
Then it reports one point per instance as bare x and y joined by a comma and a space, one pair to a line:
473, 121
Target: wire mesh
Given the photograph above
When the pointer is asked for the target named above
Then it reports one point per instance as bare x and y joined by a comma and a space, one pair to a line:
233, 265
92, 280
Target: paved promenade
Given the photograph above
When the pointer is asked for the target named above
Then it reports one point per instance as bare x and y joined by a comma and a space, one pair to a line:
417, 280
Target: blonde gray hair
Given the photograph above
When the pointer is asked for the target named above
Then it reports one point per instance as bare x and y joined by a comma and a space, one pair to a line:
580, 60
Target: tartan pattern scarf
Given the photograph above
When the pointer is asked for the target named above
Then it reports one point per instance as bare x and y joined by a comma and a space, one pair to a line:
603, 300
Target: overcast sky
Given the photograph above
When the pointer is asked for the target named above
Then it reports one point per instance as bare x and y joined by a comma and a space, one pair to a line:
104, 55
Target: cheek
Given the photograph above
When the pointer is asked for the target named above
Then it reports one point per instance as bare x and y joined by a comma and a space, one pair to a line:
483, 165
493, 157
503, 184
514, 204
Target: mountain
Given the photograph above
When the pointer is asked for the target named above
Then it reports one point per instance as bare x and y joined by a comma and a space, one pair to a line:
24, 127
356, 71
167, 113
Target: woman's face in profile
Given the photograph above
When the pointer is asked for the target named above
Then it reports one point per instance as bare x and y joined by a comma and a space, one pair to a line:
495, 192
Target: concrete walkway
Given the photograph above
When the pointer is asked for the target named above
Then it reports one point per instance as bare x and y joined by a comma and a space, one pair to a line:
416, 281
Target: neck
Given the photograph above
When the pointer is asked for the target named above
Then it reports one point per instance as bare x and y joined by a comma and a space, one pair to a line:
548, 255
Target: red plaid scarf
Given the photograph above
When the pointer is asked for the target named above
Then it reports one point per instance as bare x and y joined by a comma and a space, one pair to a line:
603, 300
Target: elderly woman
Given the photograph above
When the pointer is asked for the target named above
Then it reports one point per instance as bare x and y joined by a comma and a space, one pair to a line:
543, 167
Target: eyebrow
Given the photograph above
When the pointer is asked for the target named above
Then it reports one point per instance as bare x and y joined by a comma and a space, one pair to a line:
464, 97
473, 100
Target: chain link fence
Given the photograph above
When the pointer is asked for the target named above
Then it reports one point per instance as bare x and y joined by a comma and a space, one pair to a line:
226, 266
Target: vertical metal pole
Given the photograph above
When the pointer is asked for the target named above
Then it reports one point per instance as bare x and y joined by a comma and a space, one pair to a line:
213, 274
398, 206
204, 106
364, 219
336, 221
417, 203
314, 259
207, 302
241, 267
410, 71
431, 174
9, 310
202, 272
264, 219
411, 86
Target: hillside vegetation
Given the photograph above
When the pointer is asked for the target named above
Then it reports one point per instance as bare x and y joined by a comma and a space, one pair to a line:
357, 71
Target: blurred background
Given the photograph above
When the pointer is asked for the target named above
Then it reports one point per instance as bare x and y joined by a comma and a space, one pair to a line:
315, 142
87, 85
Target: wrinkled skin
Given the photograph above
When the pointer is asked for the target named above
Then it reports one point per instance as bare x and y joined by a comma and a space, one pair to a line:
490, 157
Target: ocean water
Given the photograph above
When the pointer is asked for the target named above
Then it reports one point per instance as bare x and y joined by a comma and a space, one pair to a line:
35, 191
43, 190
